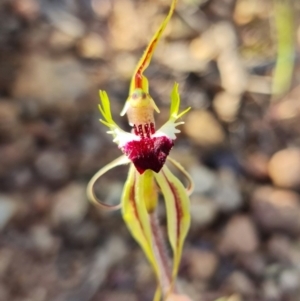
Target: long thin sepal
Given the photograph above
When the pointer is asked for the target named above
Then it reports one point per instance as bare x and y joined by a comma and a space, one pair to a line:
136, 216
190, 187
178, 215
90, 188
138, 79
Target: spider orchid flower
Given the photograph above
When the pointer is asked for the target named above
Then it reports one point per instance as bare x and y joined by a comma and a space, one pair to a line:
146, 150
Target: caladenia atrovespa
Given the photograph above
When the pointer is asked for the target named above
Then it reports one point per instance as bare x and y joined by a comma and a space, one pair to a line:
146, 150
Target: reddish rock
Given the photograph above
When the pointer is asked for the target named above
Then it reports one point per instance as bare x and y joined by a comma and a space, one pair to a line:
240, 236
202, 264
284, 168
276, 209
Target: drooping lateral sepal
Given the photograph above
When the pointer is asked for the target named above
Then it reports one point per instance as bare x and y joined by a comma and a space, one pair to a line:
136, 214
178, 214
90, 187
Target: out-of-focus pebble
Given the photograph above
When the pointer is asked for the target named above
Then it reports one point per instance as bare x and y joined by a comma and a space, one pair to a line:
67, 78
91, 46
43, 240
240, 283
271, 291
204, 179
4, 292
6, 257
177, 56
70, 204
256, 164
27, 9
240, 236
84, 233
227, 105
280, 248
119, 296
203, 211
289, 280
247, 10
276, 209
253, 263
227, 194
8, 208
284, 168
124, 35
9, 120
203, 48
176, 297
101, 7
61, 41
203, 128
53, 166
202, 264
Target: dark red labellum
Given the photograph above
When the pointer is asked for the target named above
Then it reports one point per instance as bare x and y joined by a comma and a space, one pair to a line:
148, 153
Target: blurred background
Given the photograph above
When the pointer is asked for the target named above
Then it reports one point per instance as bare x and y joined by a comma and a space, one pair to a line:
237, 64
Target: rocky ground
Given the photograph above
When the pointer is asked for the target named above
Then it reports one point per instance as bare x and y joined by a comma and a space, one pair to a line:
240, 144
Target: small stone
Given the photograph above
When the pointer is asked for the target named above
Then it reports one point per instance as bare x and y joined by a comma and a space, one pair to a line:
176, 55
235, 297
9, 120
203, 211
204, 48
234, 77
124, 35
240, 236
108, 255
279, 247
91, 46
284, 168
271, 290
254, 263
276, 209
227, 194
4, 292
203, 128
124, 63
16, 154
256, 164
8, 208
205, 180
70, 204
43, 240
119, 296
202, 264
61, 41
176, 297
27, 9
289, 280
84, 233
67, 77
53, 166
240, 283
227, 105
102, 8
6, 257
246, 11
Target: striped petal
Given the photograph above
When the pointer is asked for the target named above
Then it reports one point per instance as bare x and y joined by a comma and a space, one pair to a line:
178, 215
135, 200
